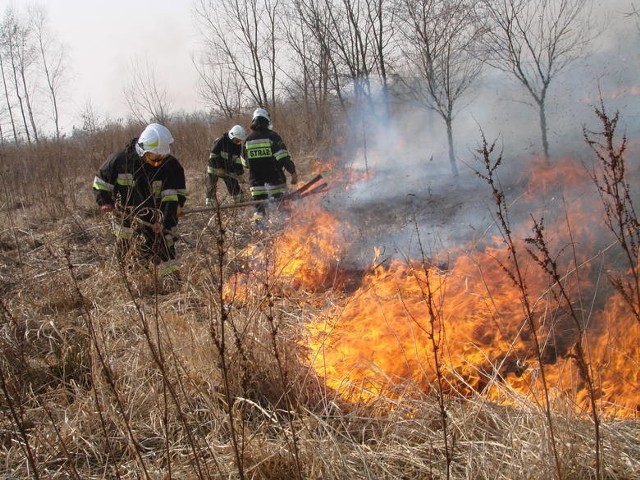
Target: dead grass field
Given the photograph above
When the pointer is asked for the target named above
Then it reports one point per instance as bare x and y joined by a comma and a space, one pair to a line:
107, 374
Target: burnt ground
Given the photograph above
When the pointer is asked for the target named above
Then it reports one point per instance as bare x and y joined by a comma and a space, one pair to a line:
411, 218
422, 215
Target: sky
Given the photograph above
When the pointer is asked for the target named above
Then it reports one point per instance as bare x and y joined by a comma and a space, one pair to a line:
103, 38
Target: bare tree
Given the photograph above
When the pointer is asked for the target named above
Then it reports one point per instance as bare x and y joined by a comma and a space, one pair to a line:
219, 87
351, 44
441, 36
8, 100
534, 40
256, 45
382, 16
91, 122
314, 46
310, 81
244, 35
52, 60
20, 55
26, 58
359, 38
146, 99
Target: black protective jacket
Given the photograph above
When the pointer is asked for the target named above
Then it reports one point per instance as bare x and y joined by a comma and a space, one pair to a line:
226, 155
129, 183
267, 157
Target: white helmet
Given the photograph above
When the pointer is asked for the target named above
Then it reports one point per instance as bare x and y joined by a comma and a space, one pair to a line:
261, 112
237, 134
156, 139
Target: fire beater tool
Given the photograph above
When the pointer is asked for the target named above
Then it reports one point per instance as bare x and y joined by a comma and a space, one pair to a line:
297, 194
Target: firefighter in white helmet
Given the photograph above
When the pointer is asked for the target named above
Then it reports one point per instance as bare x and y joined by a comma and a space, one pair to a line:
225, 162
267, 158
144, 185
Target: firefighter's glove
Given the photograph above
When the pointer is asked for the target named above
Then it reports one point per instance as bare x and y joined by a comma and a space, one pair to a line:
106, 208
294, 178
219, 172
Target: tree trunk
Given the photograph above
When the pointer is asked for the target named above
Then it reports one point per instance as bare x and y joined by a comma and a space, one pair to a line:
16, 84
27, 100
543, 128
6, 96
452, 155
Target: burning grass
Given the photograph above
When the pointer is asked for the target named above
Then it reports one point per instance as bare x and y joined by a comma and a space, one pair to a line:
271, 361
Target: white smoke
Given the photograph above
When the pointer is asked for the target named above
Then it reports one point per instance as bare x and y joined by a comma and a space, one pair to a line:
410, 193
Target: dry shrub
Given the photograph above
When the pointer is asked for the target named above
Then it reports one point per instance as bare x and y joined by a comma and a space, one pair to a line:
388, 438
105, 376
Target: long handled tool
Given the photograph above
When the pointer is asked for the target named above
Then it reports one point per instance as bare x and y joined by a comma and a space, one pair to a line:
298, 193
317, 189
301, 192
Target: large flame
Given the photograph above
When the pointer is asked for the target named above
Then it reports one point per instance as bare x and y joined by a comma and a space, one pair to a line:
304, 253
309, 250
465, 332
475, 327
478, 328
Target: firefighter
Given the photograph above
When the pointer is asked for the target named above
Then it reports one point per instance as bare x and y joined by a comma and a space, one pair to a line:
144, 186
225, 162
267, 158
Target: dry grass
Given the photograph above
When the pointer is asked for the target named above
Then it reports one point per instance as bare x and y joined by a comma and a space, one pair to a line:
105, 376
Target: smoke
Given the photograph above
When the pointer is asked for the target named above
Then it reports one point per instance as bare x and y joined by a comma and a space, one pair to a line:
402, 197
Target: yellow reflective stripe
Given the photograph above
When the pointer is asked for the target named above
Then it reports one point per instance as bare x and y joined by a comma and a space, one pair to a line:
169, 195
258, 190
281, 154
165, 268
125, 179
210, 170
258, 144
121, 231
258, 149
268, 189
100, 184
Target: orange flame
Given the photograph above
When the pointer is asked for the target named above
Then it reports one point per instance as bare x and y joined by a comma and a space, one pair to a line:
466, 331
409, 321
472, 328
304, 255
309, 251
542, 179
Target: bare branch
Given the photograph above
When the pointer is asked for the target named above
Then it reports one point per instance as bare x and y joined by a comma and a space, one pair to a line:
534, 40
440, 38
146, 99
